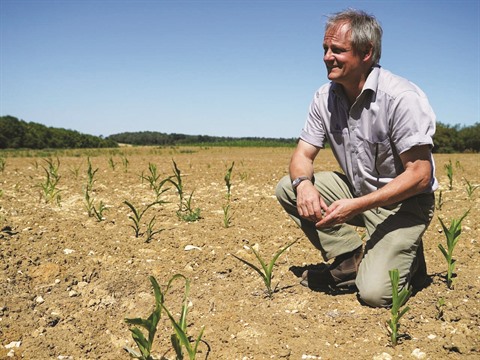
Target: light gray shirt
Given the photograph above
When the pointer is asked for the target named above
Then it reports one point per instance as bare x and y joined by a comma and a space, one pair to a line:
389, 117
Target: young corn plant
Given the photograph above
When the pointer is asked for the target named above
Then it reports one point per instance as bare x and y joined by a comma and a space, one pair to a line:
228, 178
227, 216
150, 325
112, 163
151, 232
125, 163
180, 339
90, 175
266, 272
88, 202
153, 178
440, 306
449, 169
99, 212
398, 300
49, 187
138, 215
185, 209
470, 188
452, 235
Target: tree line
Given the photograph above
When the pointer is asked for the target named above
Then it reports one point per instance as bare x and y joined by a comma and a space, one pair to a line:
19, 134
162, 139
16, 134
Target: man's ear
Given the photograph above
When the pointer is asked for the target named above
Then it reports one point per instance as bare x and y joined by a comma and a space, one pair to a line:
368, 53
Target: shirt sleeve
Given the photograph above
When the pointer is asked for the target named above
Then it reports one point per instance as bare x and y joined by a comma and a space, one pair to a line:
412, 121
313, 131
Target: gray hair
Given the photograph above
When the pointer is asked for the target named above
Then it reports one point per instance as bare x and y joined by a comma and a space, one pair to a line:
365, 31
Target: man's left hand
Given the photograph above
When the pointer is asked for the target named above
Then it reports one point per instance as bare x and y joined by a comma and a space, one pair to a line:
338, 212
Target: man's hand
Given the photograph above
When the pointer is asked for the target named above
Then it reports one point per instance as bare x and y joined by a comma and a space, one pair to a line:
339, 212
309, 202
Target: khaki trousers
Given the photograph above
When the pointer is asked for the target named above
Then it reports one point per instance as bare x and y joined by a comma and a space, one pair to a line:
393, 234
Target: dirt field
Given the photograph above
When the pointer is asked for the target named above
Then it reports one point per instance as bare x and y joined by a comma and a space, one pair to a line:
67, 281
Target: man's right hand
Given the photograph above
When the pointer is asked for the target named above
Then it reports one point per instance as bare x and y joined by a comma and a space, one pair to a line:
309, 202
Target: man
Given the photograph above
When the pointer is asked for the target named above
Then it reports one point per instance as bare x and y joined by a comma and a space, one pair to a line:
380, 129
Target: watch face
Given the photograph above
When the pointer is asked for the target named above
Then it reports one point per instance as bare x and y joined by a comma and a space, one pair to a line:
297, 181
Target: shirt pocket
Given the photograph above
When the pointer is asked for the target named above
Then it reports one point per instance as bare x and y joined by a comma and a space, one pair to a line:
377, 158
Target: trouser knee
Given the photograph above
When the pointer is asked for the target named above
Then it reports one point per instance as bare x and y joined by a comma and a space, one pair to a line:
284, 191
375, 294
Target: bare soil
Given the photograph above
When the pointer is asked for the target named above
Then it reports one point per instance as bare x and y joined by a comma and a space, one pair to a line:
67, 281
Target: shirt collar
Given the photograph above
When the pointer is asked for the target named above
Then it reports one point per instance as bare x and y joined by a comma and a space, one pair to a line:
372, 80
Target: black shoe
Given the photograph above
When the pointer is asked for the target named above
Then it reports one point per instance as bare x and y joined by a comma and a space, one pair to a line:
340, 274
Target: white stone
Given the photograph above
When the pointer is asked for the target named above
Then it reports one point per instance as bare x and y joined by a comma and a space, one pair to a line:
418, 354
383, 356
13, 344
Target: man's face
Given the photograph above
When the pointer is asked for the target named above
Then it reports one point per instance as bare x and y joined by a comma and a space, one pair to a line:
344, 66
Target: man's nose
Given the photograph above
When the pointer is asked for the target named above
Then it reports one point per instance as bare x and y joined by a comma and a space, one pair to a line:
328, 55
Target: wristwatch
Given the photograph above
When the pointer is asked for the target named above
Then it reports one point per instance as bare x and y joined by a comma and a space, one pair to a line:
297, 181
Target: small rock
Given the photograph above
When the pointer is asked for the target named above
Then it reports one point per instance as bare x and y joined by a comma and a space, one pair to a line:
68, 251
13, 344
383, 356
39, 300
191, 247
418, 354
72, 293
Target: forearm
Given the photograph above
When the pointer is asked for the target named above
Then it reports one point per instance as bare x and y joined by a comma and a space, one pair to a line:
410, 183
301, 163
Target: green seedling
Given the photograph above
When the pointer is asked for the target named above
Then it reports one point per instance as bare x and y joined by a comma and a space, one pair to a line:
440, 308
138, 215
99, 212
111, 163
267, 269
398, 300
458, 165
228, 178
90, 175
150, 324
180, 339
50, 185
151, 232
153, 178
470, 188
189, 214
185, 209
88, 202
125, 163
449, 169
75, 170
227, 216
452, 235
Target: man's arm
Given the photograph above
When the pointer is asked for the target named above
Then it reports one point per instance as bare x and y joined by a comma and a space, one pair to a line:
414, 180
309, 200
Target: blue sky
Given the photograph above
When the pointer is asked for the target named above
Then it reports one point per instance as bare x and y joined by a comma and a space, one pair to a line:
220, 68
